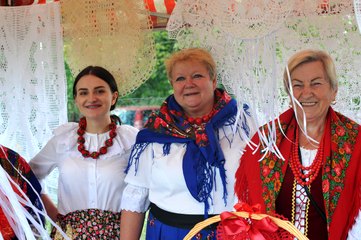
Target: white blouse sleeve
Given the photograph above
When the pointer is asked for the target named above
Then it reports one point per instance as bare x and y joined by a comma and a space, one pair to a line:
43, 164
355, 232
46, 160
135, 199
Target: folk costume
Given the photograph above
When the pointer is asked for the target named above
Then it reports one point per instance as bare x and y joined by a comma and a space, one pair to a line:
332, 177
90, 188
184, 167
19, 170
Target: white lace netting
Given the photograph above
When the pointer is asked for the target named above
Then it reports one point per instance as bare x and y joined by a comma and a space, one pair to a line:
252, 40
32, 76
114, 34
357, 6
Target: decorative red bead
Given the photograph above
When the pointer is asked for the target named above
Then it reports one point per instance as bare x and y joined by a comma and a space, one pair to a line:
81, 139
198, 121
201, 120
112, 133
81, 148
109, 142
198, 126
94, 155
103, 150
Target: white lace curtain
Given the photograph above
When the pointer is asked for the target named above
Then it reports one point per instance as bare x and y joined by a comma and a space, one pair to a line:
32, 76
357, 4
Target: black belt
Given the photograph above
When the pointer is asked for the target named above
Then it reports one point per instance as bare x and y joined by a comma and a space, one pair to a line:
186, 221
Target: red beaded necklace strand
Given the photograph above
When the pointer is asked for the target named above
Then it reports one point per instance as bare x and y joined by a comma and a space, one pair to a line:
198, 125
102, 150
298, 170
200, 120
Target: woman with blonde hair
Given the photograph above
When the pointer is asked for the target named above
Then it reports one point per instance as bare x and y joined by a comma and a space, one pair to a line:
317, 185
183, 162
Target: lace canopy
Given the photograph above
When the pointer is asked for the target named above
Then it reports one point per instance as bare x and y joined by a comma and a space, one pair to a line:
357, 4
114, 34
252, 40
32, 76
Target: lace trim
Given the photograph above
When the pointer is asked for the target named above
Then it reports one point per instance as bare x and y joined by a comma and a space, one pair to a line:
135, 199
300, 207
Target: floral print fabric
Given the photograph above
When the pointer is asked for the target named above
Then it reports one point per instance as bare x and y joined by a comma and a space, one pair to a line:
89, 224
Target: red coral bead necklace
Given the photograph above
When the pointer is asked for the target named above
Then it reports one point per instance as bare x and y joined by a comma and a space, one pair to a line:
305, 175
201, 120
102, 150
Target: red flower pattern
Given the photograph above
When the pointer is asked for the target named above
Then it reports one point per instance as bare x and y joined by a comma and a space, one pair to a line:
348, 148
340, 131
344, 132
265, 171
325, 186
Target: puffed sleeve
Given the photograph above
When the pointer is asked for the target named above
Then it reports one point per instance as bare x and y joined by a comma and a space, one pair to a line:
46, 160
135, 199
135, 195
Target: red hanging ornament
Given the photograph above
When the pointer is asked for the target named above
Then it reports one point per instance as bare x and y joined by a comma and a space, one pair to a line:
102, 150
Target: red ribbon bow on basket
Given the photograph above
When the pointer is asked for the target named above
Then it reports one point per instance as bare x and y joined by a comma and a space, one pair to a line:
235, 227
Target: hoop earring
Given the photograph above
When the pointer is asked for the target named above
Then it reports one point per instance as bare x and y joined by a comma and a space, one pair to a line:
333, 102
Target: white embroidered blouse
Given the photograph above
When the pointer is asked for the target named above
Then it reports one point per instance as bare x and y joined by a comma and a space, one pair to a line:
159, 179
86, 183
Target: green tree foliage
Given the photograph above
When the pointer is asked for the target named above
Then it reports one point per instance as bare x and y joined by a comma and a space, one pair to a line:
73, 113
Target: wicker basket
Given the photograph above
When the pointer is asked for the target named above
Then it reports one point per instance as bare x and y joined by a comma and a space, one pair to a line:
286, 225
